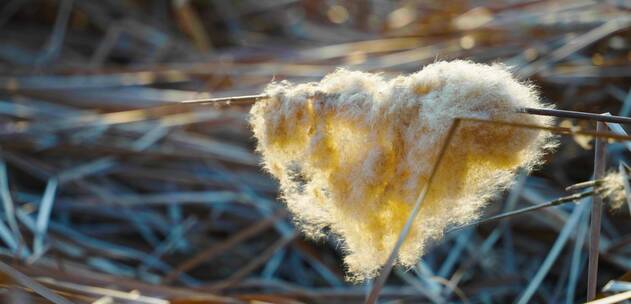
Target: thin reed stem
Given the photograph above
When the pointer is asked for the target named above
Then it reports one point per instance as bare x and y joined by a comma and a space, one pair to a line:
373, 296
156, 112
583, 185
577, 115
596, 216
251, 99
233, 100
556, 202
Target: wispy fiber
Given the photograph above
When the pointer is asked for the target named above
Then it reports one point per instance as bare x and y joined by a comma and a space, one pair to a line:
353, 151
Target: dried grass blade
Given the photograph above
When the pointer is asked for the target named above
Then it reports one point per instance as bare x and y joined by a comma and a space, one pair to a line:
25, 281
43, 216
534, 284
617, 298
7, 201
596, 216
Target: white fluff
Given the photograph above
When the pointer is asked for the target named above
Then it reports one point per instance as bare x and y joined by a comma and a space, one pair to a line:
353, 151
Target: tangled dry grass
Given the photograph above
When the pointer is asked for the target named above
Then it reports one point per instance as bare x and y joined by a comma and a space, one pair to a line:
113, 190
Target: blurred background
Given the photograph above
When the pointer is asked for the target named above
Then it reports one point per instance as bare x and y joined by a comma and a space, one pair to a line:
109, 196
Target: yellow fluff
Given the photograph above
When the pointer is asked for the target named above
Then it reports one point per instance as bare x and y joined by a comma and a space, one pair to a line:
612, 188
353, 151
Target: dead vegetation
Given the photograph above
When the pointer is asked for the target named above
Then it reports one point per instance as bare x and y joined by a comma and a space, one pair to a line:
108, 195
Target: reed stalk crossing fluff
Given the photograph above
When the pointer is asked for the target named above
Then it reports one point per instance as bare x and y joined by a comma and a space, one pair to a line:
352, 153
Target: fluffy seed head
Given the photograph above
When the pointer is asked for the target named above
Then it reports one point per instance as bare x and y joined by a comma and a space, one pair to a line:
612, 188
353, 151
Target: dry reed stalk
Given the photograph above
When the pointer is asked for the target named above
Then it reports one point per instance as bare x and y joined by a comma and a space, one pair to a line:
156, 112
600, 155
556, 202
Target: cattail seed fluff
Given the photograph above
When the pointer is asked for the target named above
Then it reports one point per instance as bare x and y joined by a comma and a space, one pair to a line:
612, 188
353, 151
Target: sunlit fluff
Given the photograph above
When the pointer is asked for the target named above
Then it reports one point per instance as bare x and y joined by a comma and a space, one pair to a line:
353, 151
